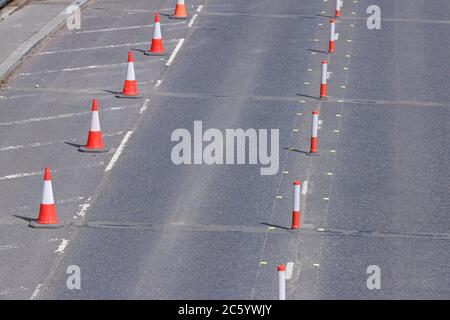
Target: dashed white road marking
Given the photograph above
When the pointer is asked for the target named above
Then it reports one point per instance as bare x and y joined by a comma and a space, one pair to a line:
191, 23
305, 187
83, 208
289, 269
200, 7
35, 173
62, 246
36, 291
158, 83
144, 106
17, 97
119, 151
175, 51
62, 116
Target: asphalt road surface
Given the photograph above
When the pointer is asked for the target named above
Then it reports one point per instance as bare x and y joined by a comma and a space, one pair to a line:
141, 227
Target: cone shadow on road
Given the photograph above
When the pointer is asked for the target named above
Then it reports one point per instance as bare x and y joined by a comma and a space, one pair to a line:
275, 226
318, 51
296, 150
76, 145
307, 96
27, 219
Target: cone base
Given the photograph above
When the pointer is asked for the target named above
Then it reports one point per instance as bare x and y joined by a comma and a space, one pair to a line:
323, 98
130, 96
35, 225
149, 53
312, 154
93, 150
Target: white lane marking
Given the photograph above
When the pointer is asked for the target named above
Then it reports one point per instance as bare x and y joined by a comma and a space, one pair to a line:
127, 28
305, 187
100, 47
36, 291
48, 143
175, 51
144, 106
17, 97
119, 151
94, 48
200, 7
158, 83
36, 173
289, 269
191, 23
103, 66
8, 247
63, 116
62, 246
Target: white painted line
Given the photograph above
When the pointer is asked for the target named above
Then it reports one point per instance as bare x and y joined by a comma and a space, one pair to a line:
126, 28
158, 83
48, 143
63, 116
36, 173
144, 106
36, 291
83, 208
104, 66
94, 48
200, 7
305, 187
289, 269
62, 246
191, 23
17, 97
175, 51
119, 151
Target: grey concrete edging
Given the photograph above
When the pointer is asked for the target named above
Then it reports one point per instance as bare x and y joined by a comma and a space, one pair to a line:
13, 59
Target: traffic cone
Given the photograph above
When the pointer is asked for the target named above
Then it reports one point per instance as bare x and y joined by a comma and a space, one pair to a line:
337, 13
94, 141
314, 130
47, 213
130, 85
332, 36
157, 48
323, 82
180, 11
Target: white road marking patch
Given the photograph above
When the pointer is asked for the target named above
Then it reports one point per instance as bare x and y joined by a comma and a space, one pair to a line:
175, 51
62, 246
17, 97
158, 83
305, 187
36, 291
200, 7
83, 208
191, 23
63, 116
119, 151
289, 269
8, 247
144, 106
35, 173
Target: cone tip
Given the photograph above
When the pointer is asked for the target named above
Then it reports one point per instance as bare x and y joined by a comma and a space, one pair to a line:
94, 105
47, 176
157, 17
130, 56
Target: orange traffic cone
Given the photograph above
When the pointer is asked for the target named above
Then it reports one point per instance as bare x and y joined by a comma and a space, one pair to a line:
47, 212
130, 85
94, 141
157, 48
180, 11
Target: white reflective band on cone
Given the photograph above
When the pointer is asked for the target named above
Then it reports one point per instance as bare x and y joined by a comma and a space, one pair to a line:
95, 122
157, 33
314, 125
324, 73
281, 285
297, 197
130, 71
47, 193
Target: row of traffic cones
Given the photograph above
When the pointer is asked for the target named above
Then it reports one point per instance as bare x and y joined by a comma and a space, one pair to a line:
47, 217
